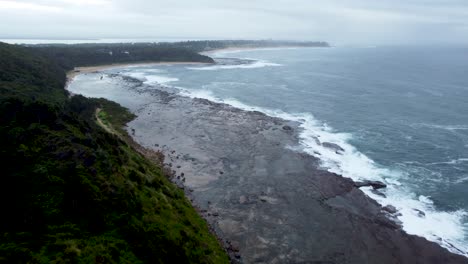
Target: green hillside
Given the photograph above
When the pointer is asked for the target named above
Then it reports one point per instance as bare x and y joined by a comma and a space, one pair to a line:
74, 193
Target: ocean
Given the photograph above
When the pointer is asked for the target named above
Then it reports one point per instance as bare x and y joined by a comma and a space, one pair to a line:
399, 113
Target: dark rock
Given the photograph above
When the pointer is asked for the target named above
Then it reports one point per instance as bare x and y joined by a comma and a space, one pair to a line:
234, 246
383, 220
221, 172
287, 128
374, 184
379, 193
420, 213
390, 209
333, 146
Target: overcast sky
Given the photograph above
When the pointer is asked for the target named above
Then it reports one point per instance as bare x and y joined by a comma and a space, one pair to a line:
337, 21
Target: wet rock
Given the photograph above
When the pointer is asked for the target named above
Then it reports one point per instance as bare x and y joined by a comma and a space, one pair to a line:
390, 209
333, 146
234, 246
287, 128
379, 193
374, 184
420, 213
383, 220
221, 172
243, 199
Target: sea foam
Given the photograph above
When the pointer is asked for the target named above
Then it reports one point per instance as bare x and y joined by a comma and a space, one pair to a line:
149, 77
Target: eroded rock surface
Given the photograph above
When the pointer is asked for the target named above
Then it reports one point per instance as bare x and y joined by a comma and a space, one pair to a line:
270, 203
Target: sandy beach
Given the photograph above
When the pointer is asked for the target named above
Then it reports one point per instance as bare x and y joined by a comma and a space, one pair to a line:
89, 69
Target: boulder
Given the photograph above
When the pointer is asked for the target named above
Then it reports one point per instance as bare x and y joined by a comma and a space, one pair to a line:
390, 209
374, 184
379, 193
333, 146
420, 213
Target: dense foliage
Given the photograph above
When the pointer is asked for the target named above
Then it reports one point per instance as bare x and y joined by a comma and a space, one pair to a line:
71, 192
27, 75
70, 56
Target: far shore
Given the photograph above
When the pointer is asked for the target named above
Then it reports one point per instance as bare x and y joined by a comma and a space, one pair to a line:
240, 49
89, 69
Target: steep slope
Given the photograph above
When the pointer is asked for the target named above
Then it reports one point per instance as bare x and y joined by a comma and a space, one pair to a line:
73, 192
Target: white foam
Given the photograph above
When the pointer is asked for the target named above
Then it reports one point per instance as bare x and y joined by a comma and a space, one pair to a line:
450, 162
417, 213
160, 79
461, 180
149, 77
444, 127
256, 64
425, 199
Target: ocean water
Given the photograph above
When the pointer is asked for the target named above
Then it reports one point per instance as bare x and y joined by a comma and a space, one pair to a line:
400, 114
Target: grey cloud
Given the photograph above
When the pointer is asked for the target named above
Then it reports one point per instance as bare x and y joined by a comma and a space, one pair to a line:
337, 21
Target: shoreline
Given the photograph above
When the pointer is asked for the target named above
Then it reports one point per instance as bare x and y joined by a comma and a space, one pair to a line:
90, 69
199, 170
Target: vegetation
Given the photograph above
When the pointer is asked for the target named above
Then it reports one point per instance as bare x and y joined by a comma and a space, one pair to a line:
73, 192
70, 56
27, 75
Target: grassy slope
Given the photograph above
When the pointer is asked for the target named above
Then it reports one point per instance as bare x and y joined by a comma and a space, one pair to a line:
73, 192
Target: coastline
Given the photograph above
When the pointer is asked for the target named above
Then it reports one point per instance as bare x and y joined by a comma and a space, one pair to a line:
89, 69
193, 141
